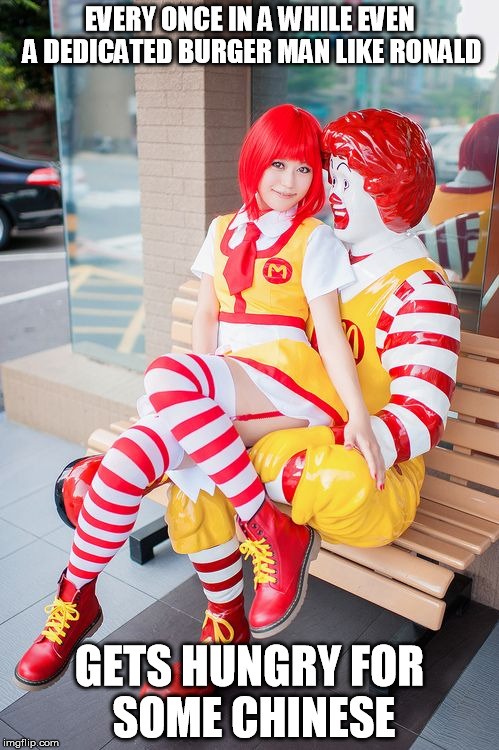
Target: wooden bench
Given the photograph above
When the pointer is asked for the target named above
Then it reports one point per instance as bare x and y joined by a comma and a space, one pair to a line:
458, 519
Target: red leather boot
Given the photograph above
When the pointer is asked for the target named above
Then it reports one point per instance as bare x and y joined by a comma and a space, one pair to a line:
223, 623
75, 614
282, 552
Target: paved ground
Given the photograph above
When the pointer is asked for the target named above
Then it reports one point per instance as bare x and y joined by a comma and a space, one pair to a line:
34, 545
34, 303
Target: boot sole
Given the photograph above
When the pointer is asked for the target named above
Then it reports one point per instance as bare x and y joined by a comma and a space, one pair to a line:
287, 619
32, 686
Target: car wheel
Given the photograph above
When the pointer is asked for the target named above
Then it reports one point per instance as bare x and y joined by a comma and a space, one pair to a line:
5, 228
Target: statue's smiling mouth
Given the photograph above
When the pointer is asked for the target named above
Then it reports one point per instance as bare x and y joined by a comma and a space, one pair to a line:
340, 213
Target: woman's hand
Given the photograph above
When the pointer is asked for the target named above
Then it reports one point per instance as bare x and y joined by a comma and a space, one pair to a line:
359, 434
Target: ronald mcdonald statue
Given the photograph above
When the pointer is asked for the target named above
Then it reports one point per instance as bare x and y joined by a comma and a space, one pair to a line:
401, 319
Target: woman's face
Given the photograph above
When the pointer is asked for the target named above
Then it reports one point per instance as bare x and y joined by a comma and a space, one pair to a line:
284, 184
355, 212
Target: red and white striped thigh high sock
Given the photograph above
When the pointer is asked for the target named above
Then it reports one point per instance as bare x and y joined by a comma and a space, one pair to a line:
140, 456
190, 392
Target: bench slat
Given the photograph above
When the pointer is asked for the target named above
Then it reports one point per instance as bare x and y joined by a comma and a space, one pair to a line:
475, 404
471, 435
101, 440
184, 308
478, 373
396, 563
180, 349
437, 549
159, 495
482, 471
485, 346
122, 425
469, 540
393, 595
190, 288
463, 498
456, 517
182, 332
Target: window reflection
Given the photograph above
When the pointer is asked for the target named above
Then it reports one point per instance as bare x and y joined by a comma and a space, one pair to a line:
97, 135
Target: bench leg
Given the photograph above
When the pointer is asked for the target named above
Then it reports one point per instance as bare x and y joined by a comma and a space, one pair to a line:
458, 595
143, 541
457, 599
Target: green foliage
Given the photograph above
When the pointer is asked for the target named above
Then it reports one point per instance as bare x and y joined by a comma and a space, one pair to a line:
23, 86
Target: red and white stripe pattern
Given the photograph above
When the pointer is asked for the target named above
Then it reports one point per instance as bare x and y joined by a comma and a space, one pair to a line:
220, 571
417, 338
188, 391
140, 456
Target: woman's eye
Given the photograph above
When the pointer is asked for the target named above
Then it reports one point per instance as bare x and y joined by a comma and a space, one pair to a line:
304, 170
277, 164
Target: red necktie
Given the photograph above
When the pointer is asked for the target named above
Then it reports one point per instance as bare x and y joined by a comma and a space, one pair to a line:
240, 265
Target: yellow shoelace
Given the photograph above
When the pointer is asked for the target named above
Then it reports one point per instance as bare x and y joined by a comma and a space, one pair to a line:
262, 560
218, 623
61, 614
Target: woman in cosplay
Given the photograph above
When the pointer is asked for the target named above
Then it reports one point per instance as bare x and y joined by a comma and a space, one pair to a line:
264, 271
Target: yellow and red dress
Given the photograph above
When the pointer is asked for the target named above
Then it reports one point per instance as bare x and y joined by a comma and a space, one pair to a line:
264, 326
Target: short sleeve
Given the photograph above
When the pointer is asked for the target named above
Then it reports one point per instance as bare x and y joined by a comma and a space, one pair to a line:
326, 266
205, 259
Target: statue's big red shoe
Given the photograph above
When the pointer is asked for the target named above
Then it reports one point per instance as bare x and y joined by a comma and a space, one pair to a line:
223, 623
75, 614
72, 485
74, 482
282, 552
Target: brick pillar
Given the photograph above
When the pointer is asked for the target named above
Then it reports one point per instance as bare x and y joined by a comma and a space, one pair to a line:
190, 124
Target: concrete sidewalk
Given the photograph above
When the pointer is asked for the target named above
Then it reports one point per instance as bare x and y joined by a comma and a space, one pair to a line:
34, 546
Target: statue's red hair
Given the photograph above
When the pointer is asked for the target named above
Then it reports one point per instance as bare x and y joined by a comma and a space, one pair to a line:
479, 146
393, 155
283, 132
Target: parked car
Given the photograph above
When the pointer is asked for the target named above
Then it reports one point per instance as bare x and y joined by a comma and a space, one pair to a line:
30, 195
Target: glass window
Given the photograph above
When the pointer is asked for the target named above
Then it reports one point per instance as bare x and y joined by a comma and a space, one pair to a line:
453, 103
97, 134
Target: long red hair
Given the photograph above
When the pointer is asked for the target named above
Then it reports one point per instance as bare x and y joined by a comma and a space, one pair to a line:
393, 155
283, 132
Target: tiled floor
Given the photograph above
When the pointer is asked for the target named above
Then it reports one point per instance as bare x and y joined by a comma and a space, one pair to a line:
160, 602
34, 545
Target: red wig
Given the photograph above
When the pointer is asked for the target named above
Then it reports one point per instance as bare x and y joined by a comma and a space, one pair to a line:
479, 146
393, 155
284, 132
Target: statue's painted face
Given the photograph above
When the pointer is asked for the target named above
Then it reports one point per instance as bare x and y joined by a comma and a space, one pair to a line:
355, 212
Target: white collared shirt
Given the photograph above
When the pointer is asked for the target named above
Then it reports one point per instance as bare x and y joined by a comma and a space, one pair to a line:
326, 266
